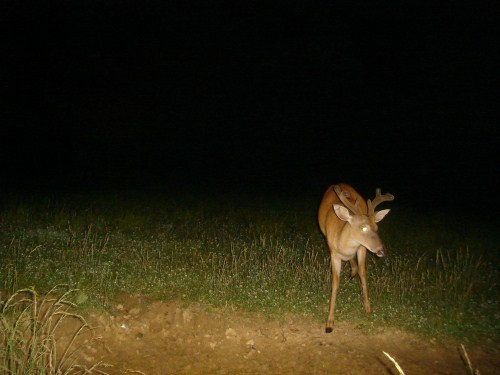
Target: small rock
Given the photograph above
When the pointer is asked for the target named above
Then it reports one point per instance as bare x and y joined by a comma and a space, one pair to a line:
88, 358
155, 327
230, 333
135, 311
248, 355
187, 316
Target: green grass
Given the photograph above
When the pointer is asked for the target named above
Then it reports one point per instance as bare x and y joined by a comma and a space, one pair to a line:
439, 277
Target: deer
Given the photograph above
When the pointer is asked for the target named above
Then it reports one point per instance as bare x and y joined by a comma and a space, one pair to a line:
349, 225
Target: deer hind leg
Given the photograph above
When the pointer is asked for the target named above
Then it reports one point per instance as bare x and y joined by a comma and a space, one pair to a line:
354, 267
362, 276
336, 265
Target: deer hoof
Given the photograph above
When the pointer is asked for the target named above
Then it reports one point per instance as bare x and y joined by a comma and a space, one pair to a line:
328, 330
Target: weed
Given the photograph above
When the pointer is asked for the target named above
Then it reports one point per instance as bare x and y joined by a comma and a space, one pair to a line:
28, 343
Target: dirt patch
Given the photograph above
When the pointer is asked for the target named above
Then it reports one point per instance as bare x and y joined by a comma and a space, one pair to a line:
167, 338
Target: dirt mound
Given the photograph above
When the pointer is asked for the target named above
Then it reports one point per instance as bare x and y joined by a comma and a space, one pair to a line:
167, 338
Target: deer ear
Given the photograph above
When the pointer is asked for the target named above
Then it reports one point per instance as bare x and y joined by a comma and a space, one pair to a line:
342, 212
379, 215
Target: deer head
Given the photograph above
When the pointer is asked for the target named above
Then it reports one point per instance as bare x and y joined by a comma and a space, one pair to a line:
363, 226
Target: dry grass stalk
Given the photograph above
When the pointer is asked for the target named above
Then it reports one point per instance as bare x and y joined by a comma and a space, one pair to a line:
27, 336
470, 368
395, 363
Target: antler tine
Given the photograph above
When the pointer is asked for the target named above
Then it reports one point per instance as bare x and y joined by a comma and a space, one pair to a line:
343, 197
379, 198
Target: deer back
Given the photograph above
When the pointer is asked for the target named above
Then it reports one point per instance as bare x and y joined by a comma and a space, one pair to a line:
327, 219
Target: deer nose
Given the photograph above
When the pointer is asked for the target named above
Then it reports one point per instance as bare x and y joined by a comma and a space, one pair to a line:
380, 253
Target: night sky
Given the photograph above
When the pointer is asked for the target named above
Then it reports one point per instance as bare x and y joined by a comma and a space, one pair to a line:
253, 96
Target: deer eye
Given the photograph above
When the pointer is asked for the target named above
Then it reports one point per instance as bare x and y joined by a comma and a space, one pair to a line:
364, 228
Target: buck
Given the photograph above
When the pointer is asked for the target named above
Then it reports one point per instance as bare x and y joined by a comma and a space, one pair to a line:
349, 224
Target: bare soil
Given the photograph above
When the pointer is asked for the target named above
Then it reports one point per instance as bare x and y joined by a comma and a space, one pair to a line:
144, 337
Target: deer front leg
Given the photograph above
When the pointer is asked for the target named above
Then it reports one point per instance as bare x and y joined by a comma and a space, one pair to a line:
362, 276
336, 265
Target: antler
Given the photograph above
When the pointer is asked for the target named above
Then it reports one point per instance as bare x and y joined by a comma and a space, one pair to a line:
379, 198
343, 197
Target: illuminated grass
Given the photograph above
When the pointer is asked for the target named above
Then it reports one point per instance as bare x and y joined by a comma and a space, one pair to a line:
439, 277
28, 336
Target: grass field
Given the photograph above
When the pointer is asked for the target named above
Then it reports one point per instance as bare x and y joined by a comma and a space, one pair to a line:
439, 277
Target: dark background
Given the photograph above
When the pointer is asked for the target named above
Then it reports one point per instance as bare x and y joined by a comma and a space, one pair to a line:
266, 97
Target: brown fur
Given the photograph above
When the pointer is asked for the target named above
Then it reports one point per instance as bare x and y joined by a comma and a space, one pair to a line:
346, 241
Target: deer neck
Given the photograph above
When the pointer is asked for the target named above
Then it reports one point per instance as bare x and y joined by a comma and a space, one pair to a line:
346, 245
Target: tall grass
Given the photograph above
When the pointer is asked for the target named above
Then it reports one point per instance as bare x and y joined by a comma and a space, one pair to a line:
267, 255
28, 343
